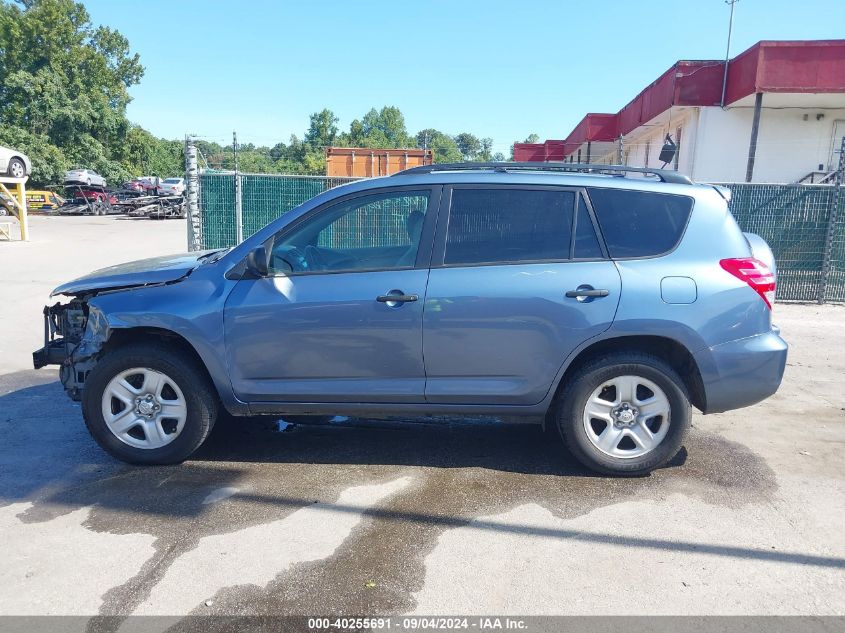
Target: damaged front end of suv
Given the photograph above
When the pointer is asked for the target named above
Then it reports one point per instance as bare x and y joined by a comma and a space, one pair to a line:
77, 331
74, 333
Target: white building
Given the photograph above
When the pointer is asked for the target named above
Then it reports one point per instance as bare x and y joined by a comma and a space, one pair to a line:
795, 91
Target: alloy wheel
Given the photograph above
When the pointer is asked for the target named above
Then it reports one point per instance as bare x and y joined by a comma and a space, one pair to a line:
627, 416
144, 408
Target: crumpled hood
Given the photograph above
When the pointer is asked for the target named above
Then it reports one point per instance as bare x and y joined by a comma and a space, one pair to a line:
156, 270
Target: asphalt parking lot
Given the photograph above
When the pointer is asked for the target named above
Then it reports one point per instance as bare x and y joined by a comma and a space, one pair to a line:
392, 517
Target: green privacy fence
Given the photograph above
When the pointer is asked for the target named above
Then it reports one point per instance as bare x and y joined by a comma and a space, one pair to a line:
804, 224
264, 197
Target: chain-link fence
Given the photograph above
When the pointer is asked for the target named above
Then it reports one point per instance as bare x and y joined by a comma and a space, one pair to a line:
264, 197
804, 224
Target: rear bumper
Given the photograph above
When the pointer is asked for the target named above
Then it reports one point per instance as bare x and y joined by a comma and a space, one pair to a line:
743, 372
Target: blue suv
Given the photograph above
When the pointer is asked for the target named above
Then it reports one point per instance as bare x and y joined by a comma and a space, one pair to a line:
600, 301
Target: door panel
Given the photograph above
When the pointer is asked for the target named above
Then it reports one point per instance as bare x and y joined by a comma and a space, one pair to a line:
339, 319
499, 334
326, 338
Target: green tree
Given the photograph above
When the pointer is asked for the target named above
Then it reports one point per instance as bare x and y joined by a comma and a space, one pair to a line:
485, 153
322, 130
444, 147
468, 144
144, 154
532, 138
356, 136
48, 162
385, 128
65, 80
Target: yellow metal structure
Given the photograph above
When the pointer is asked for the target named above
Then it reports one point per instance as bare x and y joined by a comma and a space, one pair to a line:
15, 188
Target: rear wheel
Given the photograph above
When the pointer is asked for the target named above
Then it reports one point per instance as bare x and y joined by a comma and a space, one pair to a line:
147, 404
625, 414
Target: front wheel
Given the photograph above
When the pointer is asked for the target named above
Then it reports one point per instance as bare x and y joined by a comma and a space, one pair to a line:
149, 404
625, 414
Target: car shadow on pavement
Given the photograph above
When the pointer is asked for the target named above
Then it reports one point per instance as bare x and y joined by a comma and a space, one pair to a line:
465, 470
423, 442
49, 456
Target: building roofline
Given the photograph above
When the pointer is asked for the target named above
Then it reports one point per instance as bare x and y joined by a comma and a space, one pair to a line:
801, 66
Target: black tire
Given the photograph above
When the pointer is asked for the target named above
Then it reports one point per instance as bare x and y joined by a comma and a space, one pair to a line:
200, 396
15, 162
573, 400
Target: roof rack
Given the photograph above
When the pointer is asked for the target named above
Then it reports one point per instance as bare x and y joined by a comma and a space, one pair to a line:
664, 175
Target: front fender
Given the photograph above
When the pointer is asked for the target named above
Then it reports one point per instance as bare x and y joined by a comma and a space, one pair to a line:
191, 309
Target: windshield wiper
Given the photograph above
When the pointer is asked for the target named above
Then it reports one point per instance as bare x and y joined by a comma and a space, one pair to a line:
210, 258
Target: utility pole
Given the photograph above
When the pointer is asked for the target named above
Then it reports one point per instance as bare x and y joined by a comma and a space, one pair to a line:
192, 195
727, 52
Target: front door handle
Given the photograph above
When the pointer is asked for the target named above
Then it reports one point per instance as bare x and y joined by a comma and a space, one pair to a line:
397, 298
586, 292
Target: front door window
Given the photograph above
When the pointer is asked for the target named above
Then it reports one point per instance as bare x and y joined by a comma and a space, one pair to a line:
375, 232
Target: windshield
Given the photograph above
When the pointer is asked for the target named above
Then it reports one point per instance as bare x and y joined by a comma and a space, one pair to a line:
173, 181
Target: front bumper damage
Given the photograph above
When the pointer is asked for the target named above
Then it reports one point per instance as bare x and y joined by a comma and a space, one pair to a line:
74, 335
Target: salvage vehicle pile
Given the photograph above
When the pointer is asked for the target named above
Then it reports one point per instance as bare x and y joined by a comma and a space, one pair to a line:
100, 200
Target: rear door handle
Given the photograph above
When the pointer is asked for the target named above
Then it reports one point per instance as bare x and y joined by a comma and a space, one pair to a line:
574, 294
396, 298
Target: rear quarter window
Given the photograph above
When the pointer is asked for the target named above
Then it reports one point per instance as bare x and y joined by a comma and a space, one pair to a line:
640, 223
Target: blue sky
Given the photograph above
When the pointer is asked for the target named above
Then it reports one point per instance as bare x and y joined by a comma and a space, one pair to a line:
501, 69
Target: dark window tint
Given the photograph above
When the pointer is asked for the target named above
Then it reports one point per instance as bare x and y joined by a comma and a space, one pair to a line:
640, 223
508, 225
586, 241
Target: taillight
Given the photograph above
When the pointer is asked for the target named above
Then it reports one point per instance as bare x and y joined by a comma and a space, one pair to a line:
755, 273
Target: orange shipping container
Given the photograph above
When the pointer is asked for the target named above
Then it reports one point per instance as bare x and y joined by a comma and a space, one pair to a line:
364, 162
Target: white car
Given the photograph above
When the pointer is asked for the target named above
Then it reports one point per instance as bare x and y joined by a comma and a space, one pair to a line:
14, 163
84, 177
172, 187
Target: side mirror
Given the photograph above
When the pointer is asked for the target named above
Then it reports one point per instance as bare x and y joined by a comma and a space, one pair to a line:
256, 262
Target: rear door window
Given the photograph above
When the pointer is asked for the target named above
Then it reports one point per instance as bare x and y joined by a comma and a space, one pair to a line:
640, 223
503, 225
